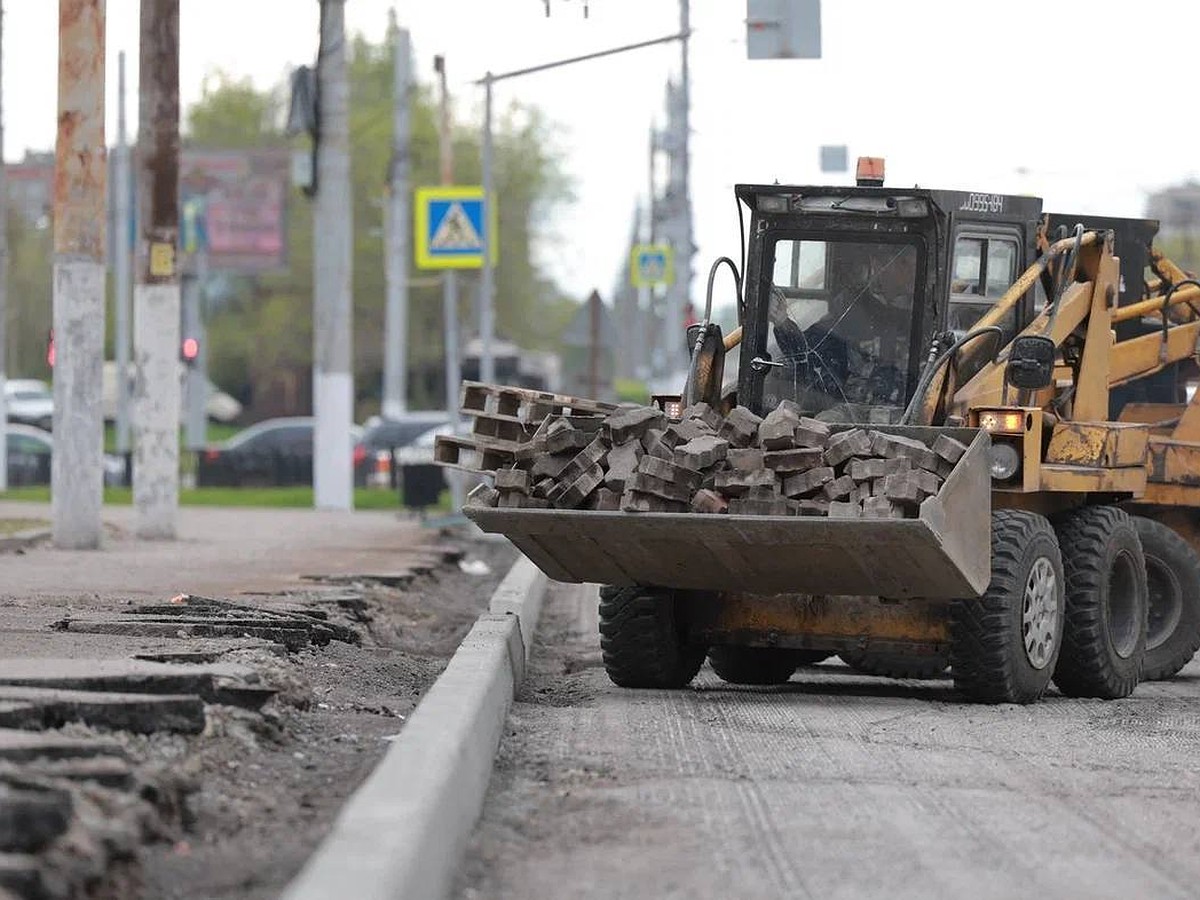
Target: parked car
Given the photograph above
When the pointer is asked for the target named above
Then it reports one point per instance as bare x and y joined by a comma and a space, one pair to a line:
383, 438
270, 453
30, 450
29, 402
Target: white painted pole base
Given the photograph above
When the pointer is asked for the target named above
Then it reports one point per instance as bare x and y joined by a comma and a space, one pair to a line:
77, 464
333, 459
156, 401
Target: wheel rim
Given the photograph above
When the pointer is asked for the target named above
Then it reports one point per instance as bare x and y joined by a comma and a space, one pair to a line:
1039, 615
1123, 625
1166, 602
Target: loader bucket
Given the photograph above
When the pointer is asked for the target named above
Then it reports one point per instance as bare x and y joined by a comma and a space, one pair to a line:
945, 552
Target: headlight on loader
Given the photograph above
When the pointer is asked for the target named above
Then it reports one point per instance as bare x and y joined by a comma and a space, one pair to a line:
1004, 460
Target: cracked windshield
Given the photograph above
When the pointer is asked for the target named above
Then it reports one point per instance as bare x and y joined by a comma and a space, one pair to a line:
840, 324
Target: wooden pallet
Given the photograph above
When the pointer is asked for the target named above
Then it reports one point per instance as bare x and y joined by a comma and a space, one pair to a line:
525, 406
473, 454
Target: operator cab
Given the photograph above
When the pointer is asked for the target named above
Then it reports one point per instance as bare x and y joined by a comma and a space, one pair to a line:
847, 286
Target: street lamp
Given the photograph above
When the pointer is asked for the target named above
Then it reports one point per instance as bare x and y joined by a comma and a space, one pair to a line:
487, 369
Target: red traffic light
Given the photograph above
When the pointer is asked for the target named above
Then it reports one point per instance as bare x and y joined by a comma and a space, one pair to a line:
190, 349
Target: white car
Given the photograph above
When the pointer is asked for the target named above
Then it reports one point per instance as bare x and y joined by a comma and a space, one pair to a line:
30, 402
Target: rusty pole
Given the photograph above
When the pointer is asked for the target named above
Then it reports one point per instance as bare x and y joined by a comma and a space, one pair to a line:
77, 474
156, 300
594, 345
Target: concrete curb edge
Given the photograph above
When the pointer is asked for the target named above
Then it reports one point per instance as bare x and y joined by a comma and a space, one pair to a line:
403, 832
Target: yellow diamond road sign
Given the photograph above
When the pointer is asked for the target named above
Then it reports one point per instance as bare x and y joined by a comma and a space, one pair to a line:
449, 227
652, 265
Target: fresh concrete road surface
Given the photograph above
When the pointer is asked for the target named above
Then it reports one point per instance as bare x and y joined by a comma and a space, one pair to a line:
834, 786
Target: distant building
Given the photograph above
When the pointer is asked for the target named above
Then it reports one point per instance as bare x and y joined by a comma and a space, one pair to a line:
244, 192
31, 188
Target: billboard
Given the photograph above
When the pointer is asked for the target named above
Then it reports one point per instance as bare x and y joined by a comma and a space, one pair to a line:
243, 194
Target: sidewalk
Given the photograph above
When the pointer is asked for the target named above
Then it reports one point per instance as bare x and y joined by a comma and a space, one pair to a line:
220, 551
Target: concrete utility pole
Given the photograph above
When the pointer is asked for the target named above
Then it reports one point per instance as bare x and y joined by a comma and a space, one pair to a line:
76, 469
3, 279
449, 280
395, 330
124, 259
333, 379
156, 301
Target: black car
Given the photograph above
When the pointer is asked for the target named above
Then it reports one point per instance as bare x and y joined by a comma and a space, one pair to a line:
30, 450
274, 452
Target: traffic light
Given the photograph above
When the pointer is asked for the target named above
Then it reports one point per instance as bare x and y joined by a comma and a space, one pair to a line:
189, 351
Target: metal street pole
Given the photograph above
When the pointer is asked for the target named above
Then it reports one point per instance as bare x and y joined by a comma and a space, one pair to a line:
487, 291
124, 258
679, 293
333, 379
449, 282
76, 468
156, 299
395, 331
3, 279
196, 374
487, 370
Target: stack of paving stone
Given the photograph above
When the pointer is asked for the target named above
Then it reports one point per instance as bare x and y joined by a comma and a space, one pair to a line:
635, 460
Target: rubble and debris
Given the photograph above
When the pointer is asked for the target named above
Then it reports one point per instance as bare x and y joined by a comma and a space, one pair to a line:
637, 460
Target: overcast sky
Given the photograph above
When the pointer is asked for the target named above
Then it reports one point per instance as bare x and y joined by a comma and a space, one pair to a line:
1089, 105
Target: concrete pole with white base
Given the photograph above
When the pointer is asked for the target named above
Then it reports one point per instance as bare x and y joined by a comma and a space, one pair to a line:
333, 379
76, 469
156, 301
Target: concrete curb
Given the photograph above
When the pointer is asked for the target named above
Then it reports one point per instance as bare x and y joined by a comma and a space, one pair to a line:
403, 832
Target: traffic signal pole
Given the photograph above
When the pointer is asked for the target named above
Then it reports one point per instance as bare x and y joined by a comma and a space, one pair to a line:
157, 293
76, 469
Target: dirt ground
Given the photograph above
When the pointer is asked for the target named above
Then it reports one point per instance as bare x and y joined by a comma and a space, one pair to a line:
242, 805
836, 785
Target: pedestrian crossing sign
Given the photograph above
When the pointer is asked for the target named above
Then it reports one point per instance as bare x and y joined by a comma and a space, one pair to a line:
449, 229
652, 265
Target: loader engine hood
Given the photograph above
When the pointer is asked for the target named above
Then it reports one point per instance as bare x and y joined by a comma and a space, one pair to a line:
838, 299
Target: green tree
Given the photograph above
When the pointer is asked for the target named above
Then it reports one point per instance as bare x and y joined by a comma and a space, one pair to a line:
265, 329
31, 255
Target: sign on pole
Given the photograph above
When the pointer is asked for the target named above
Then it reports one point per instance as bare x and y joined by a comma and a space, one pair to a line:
652, 265
835, 158
448, 227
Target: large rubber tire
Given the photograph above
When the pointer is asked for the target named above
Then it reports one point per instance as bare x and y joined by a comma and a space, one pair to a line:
640, 639
1025, 600
754, 665
1173, 578
894, 664
1104, 634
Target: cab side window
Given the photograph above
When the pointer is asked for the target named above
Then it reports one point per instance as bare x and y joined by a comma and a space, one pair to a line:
983, 268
